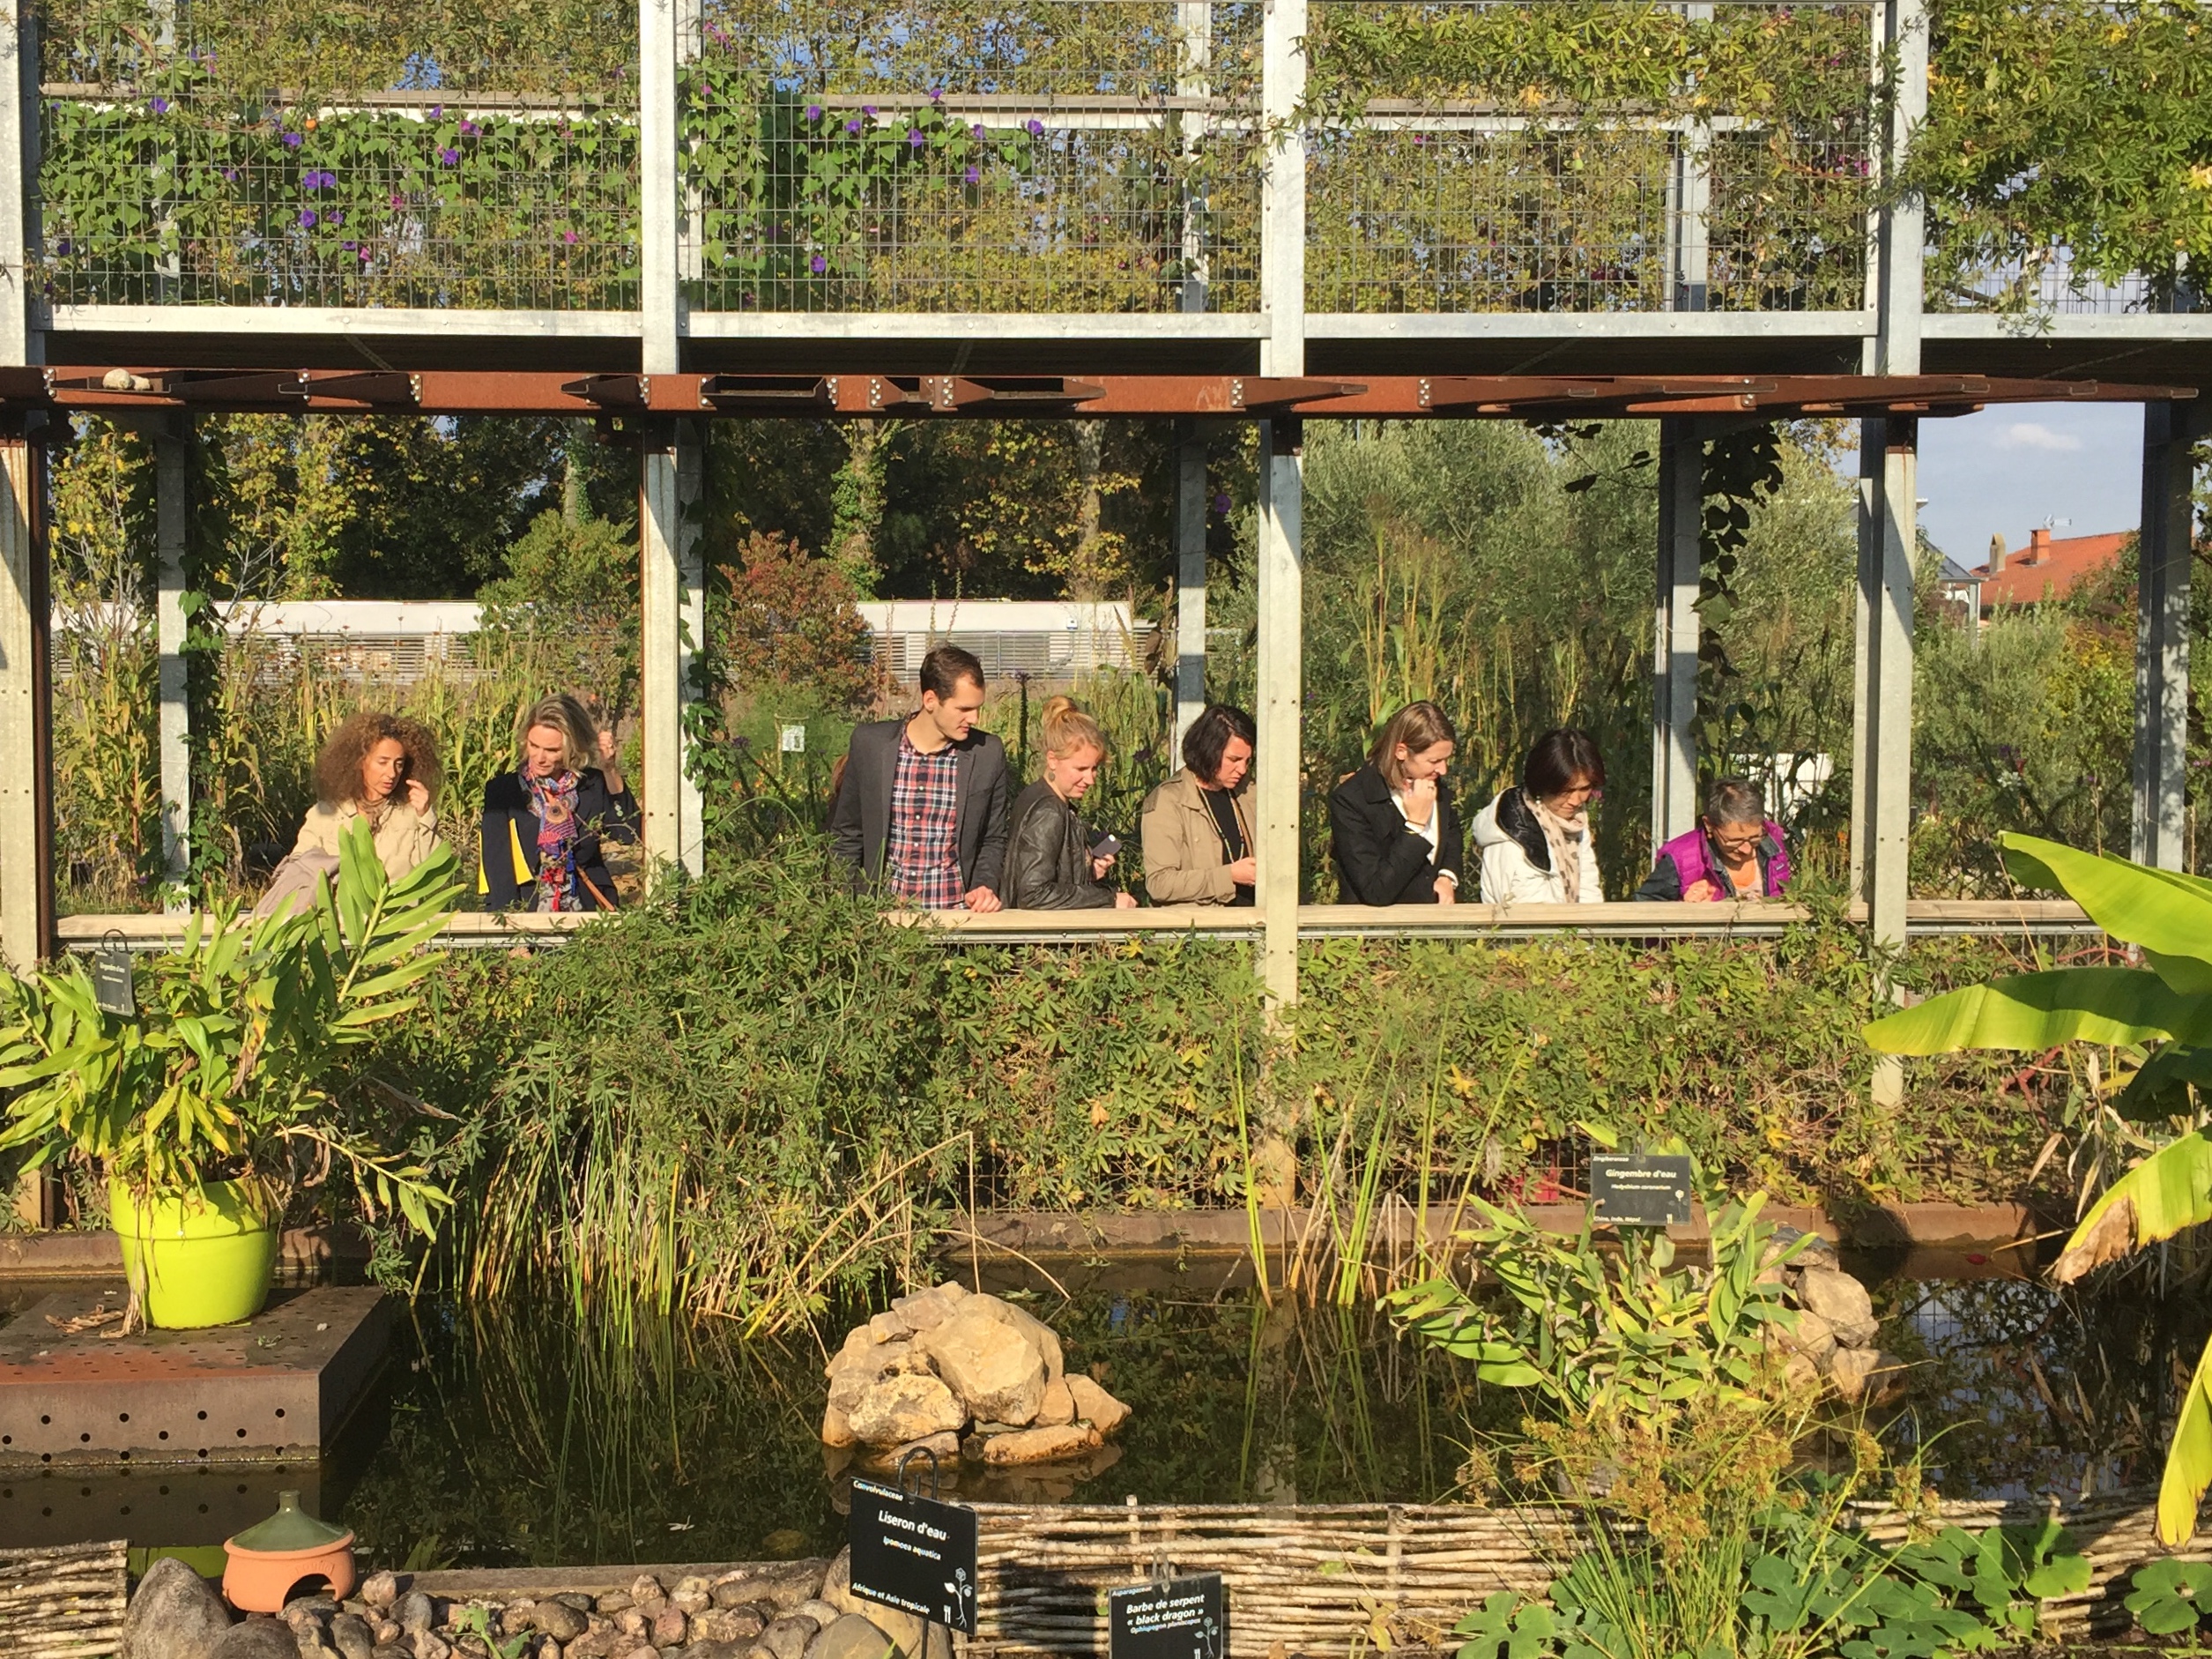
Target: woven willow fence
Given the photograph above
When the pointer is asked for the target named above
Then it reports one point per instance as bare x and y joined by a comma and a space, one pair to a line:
65, 1602
1319, 1579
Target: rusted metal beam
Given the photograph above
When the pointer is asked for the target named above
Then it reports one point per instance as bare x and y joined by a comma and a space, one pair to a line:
625, 396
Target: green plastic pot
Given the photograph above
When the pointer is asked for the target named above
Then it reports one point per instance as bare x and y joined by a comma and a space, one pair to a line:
196, 1259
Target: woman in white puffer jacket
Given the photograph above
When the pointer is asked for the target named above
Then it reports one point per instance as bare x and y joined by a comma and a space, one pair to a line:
1534, 841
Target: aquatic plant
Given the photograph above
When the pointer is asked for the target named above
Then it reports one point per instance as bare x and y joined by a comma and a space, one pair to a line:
2158, 1018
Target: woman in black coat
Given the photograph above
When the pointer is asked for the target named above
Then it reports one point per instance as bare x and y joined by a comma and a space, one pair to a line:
1394, 829
543, 821
1050, 861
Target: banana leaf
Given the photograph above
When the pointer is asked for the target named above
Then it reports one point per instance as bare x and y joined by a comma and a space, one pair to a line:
2188, 1460
2170, 915
2035, 1011
2157, 1088
2169, 1190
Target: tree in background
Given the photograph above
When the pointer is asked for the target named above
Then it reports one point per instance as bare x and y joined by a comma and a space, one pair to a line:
790, 621
571, 590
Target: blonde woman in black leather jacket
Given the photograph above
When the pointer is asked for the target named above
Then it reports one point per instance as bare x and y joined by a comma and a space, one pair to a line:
1050, 864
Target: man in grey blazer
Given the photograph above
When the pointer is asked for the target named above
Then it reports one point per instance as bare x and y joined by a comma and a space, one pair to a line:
922, 809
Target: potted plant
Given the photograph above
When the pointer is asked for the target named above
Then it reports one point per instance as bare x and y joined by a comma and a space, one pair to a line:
216, 1100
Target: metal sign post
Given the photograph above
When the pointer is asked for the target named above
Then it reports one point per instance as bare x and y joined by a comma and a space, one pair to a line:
1640, 1189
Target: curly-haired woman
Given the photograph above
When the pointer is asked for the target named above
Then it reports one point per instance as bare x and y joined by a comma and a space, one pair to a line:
380, 767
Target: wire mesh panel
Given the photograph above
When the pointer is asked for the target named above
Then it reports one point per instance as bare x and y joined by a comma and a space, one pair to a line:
1054, 156
1526, 221
1959, 280
1586, 155
292, 154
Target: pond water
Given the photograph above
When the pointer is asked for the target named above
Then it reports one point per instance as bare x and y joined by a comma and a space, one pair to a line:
508, 1436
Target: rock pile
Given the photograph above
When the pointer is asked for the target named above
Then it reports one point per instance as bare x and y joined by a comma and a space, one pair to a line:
965, 1376
1836, 1325
797, 1610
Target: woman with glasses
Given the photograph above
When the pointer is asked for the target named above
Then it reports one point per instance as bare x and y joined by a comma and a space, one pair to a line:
1534, 840
1735, 852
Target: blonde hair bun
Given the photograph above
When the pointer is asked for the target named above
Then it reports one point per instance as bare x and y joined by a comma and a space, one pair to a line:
1067, 727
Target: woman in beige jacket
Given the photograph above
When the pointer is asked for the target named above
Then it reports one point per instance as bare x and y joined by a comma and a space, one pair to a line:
380, 767
1198, 834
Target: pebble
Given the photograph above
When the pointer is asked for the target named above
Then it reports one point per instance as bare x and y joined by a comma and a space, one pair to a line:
380, 1590
669, 1627
414, 1612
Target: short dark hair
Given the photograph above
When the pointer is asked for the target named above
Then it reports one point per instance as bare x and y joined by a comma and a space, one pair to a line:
1207, 740
1559, 757
945, 666
1734, 801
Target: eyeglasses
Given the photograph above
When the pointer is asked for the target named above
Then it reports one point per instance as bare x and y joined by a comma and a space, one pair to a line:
1736, 843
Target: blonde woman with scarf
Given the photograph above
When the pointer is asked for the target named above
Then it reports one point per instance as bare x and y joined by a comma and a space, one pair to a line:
545, 819
1534, 841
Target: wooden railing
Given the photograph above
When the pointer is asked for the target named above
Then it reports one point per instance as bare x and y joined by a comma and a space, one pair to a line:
2021, 917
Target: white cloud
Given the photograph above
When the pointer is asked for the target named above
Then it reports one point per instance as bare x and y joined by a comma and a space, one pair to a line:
2033, 435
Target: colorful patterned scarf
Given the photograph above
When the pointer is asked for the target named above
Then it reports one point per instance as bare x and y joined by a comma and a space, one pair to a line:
555, 799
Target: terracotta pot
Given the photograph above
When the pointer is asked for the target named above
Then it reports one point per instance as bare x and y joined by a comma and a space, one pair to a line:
270, 1556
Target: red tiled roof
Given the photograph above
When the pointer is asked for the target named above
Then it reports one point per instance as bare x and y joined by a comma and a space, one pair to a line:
2047, 569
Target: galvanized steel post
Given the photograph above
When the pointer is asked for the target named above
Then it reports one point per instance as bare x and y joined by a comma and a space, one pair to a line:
2160, 832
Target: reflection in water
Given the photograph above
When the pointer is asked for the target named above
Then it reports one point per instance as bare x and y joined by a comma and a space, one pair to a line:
2017, 1390
504, 1435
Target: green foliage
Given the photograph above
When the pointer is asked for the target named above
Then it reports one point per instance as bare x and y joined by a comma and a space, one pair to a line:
231, 1067
571, 590
2064, 130
1594, 1336
2168, 1597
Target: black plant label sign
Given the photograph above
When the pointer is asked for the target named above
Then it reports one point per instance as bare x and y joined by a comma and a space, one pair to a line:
1640, 1190
112, 988
915, 1554
1182, 1619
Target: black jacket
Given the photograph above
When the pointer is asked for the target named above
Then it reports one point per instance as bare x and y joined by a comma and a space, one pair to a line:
509, 823
1382, 860
1048, 856
860, 822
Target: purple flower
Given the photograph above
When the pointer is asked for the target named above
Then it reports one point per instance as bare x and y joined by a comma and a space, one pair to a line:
349, 246
158, 107
292, 140
972, 175
914, 137
231, 174
436, 110
1036, 127
853, 125
976, 131
936, 93
448, 158
399, 200
336, 217
64, 245
818, 265
572, 237
469, 130
1220, 503
814, 111
868, 110
307, 218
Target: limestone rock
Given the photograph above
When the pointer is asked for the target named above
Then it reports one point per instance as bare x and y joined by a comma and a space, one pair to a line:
788, 1636
612, 1602
1041, 1446
646, 1588
1843, 1302
945, 1447
259, 1637
1867, 1375
1095, 1406
836, 1426
909, 1407
176, 1614
928, 1309
853, 1637
781, 1586
998, 1370
714, 1648
1058, 1406
380, 1590
820, 1612
413, 1612
1813, 1336
352, 1637
1032, 1329
598, 1644
558, 1620
392, 1650
694, 1594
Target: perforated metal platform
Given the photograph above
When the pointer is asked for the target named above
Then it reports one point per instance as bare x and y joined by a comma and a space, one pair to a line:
275, 1387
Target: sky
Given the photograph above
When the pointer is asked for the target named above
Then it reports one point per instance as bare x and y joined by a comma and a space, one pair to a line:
2007, 470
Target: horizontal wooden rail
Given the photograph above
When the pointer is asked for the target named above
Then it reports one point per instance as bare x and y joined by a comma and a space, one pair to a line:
2017, 916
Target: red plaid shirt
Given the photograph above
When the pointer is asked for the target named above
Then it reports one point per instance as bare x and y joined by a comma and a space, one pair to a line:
922, 860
